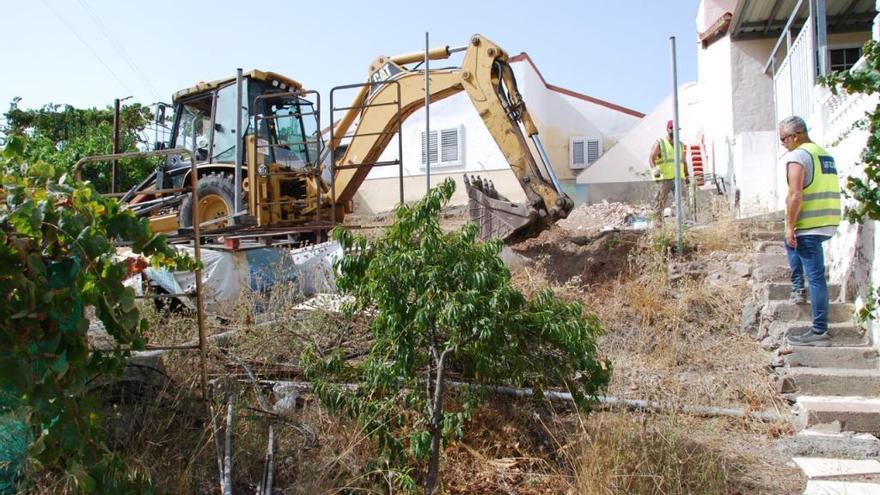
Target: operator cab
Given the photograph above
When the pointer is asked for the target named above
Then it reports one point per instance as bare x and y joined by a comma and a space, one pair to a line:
287, 124
287, 142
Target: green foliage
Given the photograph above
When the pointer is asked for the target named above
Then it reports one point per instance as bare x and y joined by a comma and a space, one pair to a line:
866, 189
62, 134
56, 259
444, 301
869, 311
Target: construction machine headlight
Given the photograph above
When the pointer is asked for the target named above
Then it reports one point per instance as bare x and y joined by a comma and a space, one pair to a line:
263, 171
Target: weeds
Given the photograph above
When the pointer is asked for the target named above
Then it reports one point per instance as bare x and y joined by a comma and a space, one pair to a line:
623, 454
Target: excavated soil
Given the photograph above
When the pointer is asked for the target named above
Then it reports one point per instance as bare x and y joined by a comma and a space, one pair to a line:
593, 258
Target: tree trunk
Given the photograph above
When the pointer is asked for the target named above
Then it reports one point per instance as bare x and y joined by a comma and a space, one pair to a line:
436, 427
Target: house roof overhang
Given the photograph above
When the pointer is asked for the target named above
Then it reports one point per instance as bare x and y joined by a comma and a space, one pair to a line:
524, 57
754, 19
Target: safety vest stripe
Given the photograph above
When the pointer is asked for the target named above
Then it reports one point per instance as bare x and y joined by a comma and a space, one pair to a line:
830, 212
821, 195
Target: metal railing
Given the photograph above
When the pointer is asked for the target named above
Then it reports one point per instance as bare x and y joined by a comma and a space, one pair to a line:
196, 238
351, 137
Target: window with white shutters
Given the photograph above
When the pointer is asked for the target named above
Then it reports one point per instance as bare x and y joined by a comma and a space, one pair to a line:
446, 145
584, 151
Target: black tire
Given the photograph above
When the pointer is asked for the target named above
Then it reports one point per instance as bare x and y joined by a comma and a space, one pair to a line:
215, 184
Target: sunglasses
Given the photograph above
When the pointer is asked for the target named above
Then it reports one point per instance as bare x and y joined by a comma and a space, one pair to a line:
788, 136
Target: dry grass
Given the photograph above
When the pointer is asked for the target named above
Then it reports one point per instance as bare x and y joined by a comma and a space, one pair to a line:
620, 454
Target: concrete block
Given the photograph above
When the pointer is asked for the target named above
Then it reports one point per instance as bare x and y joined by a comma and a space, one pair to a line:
856, 414
784, 310
812, 443
830, 357
824, 487
842, 334
777, 291
823, 467
770, 247
829, 381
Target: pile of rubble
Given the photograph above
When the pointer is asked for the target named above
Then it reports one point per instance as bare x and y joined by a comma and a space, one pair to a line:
587, 219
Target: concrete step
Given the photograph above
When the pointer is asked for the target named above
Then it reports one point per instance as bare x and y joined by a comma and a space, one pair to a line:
779, 291
856, 414
771, 258
771, 273
842, 334
826, 468
767, 235
828, 381
786, 311
863, 358
826, 487
770, 247
847, 445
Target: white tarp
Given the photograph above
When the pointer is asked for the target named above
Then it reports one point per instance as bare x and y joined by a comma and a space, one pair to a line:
229, 275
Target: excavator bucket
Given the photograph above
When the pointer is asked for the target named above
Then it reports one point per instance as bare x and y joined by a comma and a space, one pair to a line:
497, 216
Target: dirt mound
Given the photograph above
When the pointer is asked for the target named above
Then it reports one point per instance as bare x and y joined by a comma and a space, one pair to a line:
594, 258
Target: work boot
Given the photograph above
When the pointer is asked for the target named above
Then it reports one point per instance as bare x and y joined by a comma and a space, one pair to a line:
811, 339
798, 296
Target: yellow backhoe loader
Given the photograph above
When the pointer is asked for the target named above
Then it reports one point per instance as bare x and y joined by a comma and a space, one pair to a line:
270, 169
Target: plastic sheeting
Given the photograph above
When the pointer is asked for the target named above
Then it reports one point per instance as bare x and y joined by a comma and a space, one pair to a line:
229, 275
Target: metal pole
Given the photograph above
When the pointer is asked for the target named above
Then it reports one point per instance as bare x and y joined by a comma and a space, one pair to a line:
238, 144
676, 144
820, 20
115, 166
427, 120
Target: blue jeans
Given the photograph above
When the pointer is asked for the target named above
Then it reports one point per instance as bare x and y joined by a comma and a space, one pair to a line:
808, 258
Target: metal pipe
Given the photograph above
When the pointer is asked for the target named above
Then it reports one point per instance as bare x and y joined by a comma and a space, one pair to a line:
114, 169
428, 120
399, 144
239, 149
676, 150
547, 166
641, 405
436, 53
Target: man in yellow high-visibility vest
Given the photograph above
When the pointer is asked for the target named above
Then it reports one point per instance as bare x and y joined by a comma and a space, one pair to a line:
812, 214
662, 161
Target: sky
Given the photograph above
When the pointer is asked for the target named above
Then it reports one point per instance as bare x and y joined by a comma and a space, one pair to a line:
88, 52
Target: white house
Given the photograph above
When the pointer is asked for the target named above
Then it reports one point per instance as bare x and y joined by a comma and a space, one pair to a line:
574, 128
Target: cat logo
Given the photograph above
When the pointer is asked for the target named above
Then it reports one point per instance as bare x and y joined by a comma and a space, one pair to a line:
384, 73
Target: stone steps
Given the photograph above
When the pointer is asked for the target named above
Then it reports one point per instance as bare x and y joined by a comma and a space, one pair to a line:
786, 311
842, 334
855, 414
828, 381
778, 291
844, 357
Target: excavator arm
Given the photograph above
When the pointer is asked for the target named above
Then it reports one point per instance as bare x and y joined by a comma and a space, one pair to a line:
488, 80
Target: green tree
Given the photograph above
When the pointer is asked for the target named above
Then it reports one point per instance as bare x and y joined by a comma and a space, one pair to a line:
865, 189
56, 259
442, 302
62, 134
